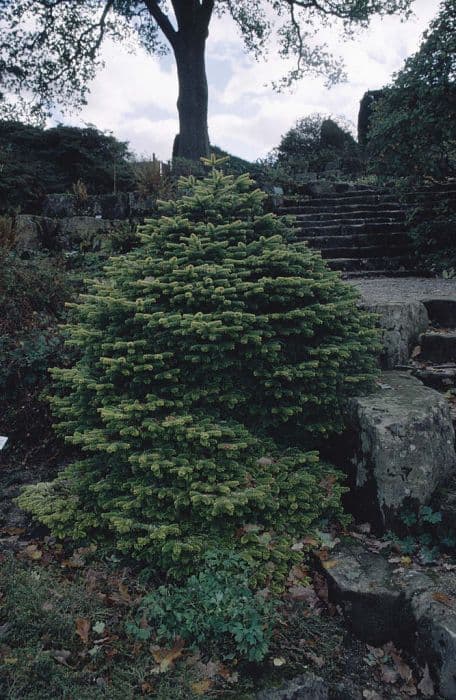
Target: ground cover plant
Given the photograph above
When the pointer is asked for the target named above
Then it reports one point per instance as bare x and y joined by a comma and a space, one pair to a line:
214, 360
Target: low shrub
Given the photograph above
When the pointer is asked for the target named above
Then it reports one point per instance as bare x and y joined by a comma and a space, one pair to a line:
214, 610
214, 361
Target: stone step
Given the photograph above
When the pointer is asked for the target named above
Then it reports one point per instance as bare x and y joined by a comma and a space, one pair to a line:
358, 240
373, 274
383, 601
359, 217
442, 312
380, 263
438, 346
440, 377
375, 196
365, 252
371, 227
313, 206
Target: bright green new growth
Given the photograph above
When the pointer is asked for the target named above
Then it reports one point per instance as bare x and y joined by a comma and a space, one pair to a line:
211, 357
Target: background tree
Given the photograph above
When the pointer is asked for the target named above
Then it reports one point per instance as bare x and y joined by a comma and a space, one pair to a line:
412, 131
40, 161
51, 49
313, 143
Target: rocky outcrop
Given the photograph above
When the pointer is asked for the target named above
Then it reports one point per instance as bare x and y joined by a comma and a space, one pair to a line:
414, 608
104, 206
402, 449
401, 325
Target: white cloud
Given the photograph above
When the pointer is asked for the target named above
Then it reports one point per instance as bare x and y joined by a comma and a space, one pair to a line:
135, 95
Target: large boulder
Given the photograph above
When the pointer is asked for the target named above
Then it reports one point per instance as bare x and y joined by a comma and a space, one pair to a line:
33, 232
382, 602
402, 448
401, 324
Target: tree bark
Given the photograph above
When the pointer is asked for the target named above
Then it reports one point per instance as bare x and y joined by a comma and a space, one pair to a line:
192, 103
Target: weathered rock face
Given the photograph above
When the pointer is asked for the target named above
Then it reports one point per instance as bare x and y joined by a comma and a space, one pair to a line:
72, 230
401, 324
403, 448
106, 206
33, 232
411, 607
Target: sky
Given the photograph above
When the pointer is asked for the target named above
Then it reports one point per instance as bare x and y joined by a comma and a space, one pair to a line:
134, 95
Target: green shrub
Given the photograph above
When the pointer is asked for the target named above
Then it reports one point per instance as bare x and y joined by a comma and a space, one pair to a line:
215, 610
214, 360
432, 232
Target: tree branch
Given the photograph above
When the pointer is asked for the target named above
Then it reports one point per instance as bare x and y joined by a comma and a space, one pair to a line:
162, 20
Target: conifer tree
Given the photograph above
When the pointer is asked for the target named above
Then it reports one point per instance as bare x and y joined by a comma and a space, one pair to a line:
214, 360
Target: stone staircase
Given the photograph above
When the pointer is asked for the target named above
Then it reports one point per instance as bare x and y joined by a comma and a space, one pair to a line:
434, 359
362, 231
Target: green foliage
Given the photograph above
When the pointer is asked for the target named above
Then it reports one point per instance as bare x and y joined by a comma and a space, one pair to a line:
314, 143
213, 361
214, 610
424, 536
56, 56
432, 229
39, 161
412, 129
32, 294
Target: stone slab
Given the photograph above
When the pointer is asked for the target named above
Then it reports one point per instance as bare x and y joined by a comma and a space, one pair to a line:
402, 450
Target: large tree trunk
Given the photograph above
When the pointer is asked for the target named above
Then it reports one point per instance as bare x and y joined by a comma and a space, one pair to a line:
193, 138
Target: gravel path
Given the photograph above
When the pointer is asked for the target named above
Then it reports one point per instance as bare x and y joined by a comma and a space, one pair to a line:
384, 289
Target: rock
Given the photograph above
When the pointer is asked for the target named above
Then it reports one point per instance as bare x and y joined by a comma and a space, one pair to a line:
435, 612
402, 448
401, 324
301, 688
363, 584
441, 311
26, 233
76, 229
105, 206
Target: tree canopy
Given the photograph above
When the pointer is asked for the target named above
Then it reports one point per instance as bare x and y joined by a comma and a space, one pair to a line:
36, 161
314, 143
51, 49
417, 113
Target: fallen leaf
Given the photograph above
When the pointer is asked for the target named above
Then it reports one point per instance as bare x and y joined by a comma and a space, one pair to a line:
279, 661
330, 563
402, 668
61, 656
317, 660
83, 629
443, 598
32, 552
372, 695
201, 687
389, 675
304, 593
125, 595
146, 688
165, 658
99, 627
10, 660
426, 686
12, 531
